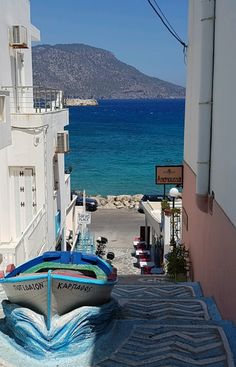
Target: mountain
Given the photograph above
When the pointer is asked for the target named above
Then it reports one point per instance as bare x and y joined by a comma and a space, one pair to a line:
88, 72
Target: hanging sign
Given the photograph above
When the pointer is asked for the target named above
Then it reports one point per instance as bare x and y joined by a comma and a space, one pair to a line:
84, 218
166, 175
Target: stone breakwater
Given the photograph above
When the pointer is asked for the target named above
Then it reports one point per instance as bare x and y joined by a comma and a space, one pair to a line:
80, 102
118, 201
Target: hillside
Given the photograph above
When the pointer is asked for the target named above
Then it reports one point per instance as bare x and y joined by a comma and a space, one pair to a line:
88, 72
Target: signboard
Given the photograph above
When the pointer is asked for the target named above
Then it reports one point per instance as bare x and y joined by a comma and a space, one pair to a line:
168, 175
84, 218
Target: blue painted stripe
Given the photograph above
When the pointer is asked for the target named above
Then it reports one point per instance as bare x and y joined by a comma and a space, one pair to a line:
60, 277
23, 279
82, 280
49, 300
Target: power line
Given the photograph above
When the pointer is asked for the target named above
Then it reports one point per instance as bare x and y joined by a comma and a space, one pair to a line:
167, 24
163, 15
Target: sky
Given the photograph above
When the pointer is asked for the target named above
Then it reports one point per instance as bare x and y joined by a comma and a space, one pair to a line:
128, 28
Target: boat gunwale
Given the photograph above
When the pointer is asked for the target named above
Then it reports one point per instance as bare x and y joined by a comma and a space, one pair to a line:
59, 277
17, 279
84, 280
58, 256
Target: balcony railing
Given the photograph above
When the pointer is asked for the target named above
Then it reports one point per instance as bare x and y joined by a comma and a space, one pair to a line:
34, 99
28, 245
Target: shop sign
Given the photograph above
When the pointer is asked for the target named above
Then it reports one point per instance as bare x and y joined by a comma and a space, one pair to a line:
169, 175
84, 218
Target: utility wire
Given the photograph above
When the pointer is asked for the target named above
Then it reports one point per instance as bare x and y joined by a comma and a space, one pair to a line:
166, 20
166, 23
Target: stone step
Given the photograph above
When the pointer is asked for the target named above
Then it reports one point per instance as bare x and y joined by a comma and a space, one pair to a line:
162, 309
160, 324
144, 290
154, 344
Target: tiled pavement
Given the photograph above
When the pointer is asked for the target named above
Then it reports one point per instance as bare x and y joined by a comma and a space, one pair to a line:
123, 261
159, 324
170, 325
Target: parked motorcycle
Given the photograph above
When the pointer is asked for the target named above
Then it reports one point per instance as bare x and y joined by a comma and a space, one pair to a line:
102, 249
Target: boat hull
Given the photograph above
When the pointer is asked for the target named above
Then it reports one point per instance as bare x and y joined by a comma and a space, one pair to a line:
55, 294
59, 281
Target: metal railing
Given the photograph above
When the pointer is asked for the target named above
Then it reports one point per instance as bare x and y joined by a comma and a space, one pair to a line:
28, 245
29, 99
32, 239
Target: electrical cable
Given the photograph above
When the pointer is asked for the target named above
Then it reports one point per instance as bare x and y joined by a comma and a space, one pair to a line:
163, 15
167, 24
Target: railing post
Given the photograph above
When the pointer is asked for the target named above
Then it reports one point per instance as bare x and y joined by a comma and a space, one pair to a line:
45, 100
16, 99
50, 100
39, 93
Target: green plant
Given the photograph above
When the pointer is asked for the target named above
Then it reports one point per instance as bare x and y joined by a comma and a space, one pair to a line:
176, 263
165, 205
175, 211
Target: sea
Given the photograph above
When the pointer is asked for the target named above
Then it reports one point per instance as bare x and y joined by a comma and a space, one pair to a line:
115, 146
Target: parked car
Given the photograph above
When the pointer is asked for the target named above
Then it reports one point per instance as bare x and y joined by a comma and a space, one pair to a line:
151, 197
91, 204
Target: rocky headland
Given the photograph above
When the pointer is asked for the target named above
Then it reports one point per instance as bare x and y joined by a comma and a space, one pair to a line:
88, 72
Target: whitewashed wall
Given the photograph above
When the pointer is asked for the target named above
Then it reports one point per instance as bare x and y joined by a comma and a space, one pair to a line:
223, 172
34, 147
223, 162
5, 122
14, 12
193, 86
37, 150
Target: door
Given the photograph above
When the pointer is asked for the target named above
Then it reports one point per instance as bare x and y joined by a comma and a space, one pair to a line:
22, 197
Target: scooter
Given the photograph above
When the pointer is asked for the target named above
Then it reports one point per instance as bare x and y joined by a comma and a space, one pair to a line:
101, 249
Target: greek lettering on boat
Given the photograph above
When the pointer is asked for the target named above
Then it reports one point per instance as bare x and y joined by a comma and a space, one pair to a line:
70, 286
28, 287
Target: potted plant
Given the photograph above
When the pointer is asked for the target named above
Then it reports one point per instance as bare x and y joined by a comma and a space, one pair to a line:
176, 263
165, 206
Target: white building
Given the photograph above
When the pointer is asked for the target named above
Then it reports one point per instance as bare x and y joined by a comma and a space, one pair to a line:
209, 229
34, 190
160, 228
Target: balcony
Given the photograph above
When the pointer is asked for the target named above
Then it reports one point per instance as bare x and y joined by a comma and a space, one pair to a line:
31, 100
5, 123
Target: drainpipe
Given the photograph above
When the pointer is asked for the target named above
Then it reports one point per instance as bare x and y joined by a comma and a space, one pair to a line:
205, 103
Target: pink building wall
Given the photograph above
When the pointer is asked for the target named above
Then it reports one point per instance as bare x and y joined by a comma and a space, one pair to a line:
211, 239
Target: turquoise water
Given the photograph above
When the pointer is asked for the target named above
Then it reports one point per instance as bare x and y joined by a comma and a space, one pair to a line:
115, 146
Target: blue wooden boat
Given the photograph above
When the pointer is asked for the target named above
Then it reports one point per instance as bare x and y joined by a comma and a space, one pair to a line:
58, 282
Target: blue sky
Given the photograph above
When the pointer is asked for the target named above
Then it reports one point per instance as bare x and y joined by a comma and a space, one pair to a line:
128, 28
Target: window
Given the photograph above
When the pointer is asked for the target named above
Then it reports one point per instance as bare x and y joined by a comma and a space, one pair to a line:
2, 109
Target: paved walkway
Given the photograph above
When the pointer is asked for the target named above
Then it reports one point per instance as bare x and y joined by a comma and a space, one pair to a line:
170, 325
123, 261
160, 324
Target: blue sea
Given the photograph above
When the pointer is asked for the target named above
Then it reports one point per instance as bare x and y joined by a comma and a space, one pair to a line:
115, 146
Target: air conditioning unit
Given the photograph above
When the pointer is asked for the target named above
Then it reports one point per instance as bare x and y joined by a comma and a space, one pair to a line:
18, 37
62, 142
